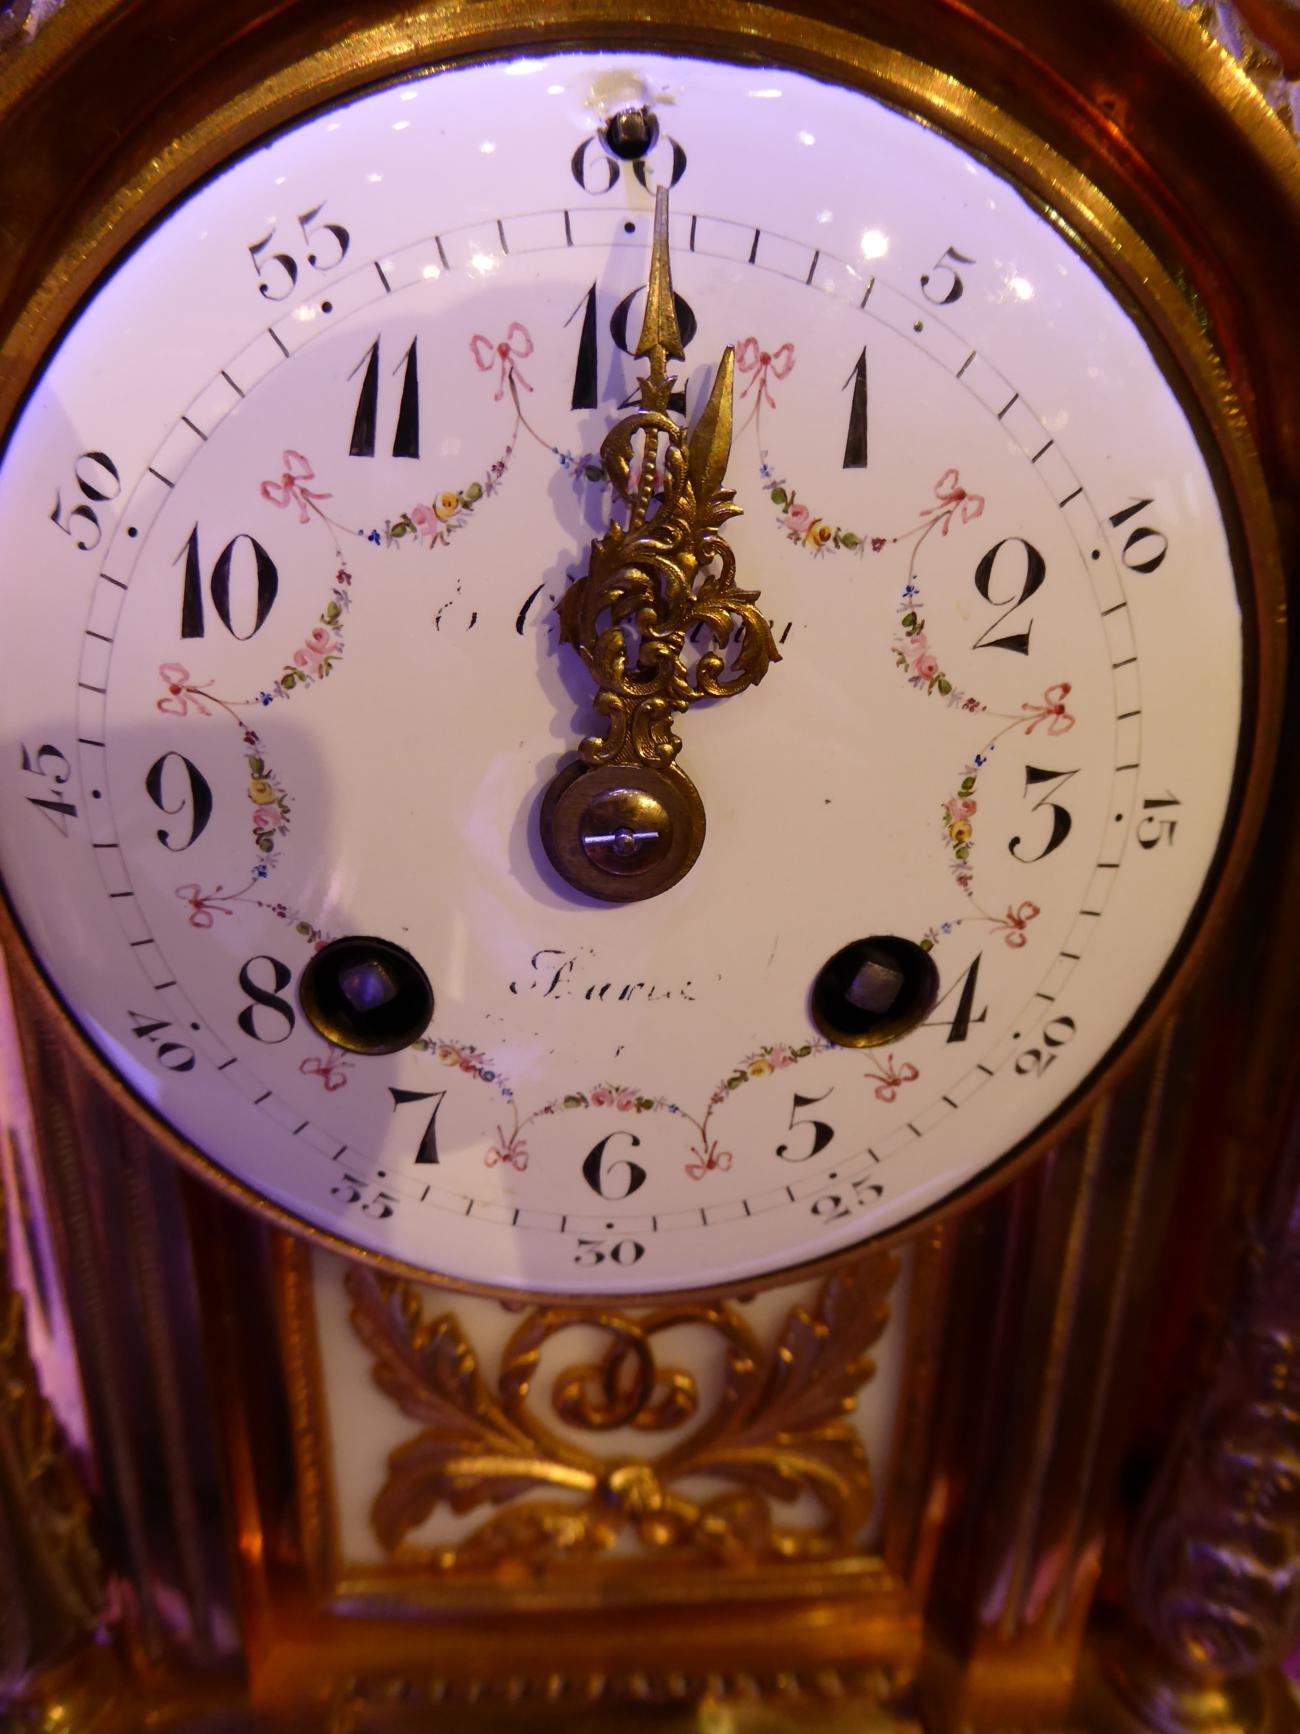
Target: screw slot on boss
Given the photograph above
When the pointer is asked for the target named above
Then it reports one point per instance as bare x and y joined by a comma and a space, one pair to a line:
624, 822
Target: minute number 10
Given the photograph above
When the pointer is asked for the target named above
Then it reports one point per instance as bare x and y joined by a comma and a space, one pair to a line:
1144, 548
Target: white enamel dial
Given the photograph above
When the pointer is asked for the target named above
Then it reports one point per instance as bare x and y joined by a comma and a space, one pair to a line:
287, 515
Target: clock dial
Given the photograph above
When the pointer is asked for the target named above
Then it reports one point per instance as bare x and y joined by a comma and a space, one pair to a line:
290, 512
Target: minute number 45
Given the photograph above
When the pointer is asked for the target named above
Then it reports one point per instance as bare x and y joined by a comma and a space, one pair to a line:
52, 768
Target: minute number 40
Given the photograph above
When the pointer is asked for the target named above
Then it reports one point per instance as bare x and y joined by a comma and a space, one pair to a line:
171, 1056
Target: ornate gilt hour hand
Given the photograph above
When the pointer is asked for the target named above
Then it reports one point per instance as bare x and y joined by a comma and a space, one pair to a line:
625, 822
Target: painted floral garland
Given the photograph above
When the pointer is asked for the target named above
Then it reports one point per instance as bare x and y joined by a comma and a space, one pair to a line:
432, 524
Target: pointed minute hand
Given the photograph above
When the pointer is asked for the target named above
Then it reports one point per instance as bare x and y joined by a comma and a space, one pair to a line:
625, 822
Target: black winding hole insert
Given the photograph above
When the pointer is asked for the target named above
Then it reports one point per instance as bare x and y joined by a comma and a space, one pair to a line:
874, 991
366, 995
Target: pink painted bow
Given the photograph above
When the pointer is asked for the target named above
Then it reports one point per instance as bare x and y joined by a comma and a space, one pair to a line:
890, 1080
515, 346
1051, 711
512, 1151
331, 1070
708, 1159
953, 498
1015, 922
289, 490
763, 364
202, 904
181, 691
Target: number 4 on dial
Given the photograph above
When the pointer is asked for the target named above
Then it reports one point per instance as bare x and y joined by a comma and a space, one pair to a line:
964, 1013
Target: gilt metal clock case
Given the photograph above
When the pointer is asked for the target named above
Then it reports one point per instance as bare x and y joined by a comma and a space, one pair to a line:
307, 450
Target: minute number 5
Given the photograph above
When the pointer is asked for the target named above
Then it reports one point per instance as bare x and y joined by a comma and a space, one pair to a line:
941, 284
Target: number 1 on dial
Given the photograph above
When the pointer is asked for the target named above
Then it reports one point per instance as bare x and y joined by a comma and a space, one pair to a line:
855, 445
